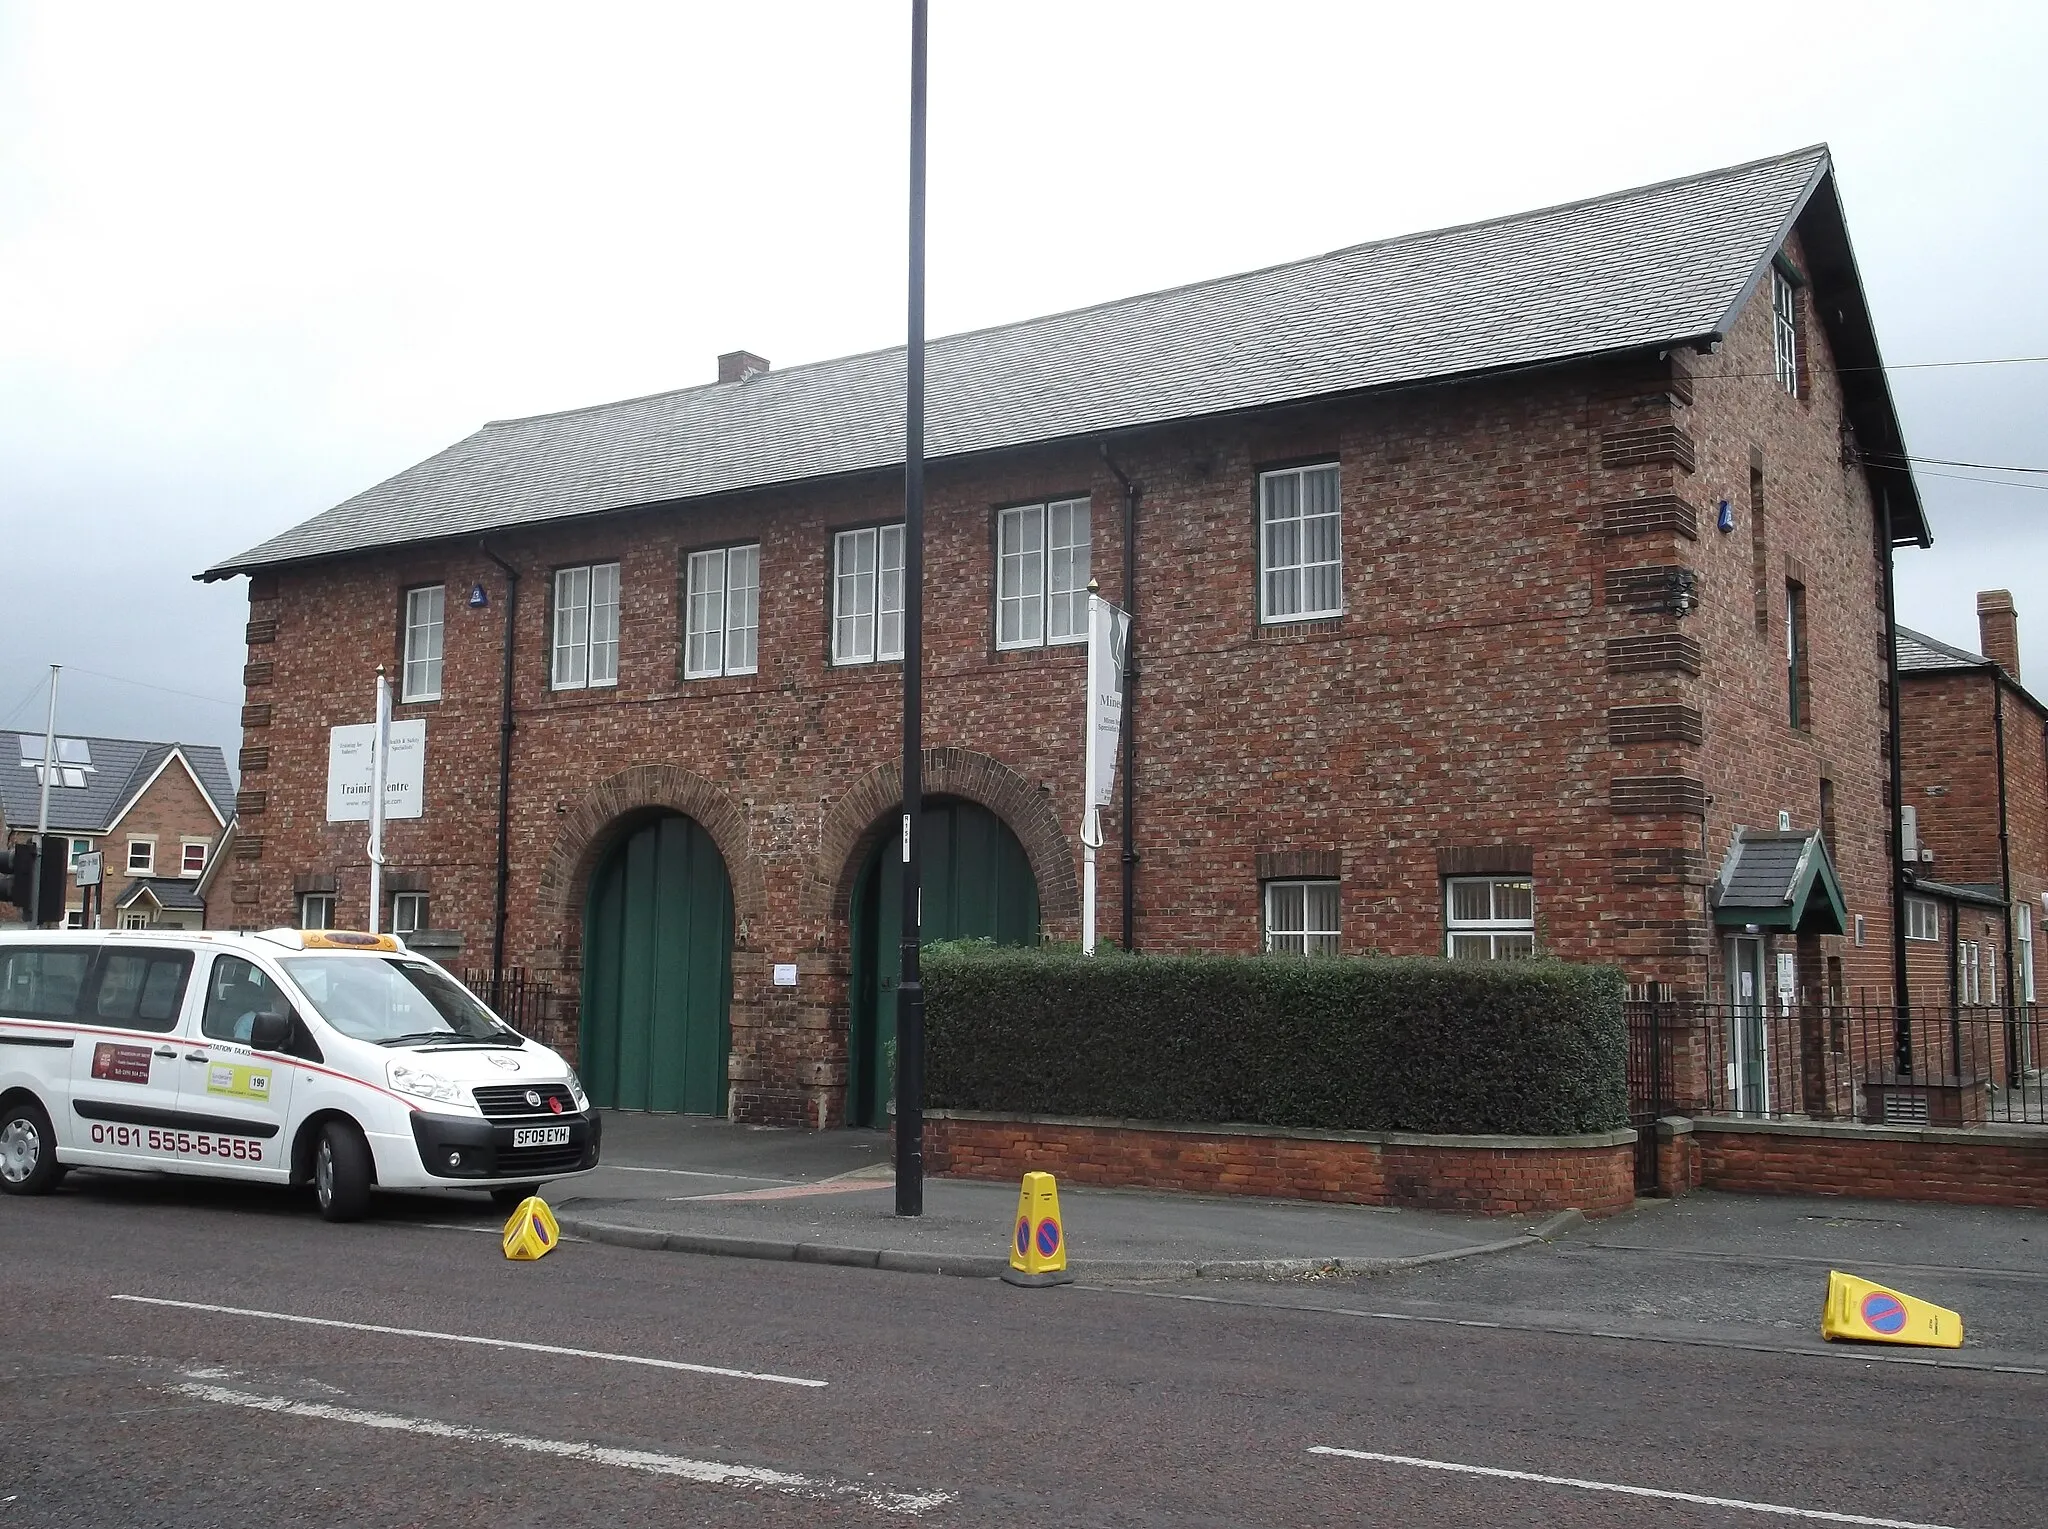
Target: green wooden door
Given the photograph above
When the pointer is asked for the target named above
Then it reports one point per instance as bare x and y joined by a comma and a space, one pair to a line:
977, 885
657, 973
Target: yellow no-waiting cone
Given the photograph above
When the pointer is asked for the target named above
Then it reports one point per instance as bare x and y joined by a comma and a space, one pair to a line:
532, 1231
1038, 1242
1856, 1308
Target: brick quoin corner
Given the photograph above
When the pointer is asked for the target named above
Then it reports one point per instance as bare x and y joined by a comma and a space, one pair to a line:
1500, 1176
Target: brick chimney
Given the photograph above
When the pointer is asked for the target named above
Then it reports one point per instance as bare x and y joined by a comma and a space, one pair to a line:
739, 365
1998, 629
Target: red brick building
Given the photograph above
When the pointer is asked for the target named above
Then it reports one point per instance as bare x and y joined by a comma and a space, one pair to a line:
1974, 766
157, 814
1463, 565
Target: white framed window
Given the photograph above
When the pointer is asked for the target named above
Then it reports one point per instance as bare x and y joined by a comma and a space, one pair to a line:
1301, 918
408, 913
867, 595
1042, 568
1301, 564
316, 910
192, 857
79, 847
142, 857
134, 919
1969, 983
723, 596
420, 675
1489, 918
586, 627
74, 918
1785, 331
2023, 935
1923, 918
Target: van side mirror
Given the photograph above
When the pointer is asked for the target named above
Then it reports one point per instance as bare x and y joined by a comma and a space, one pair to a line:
270, 1032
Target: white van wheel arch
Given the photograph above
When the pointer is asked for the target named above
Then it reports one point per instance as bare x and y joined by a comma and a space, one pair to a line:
306, 1144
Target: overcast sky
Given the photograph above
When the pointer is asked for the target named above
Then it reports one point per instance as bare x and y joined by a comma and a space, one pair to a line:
255, 258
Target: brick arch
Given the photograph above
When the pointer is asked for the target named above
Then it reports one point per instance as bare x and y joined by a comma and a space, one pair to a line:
870, 807
615, 806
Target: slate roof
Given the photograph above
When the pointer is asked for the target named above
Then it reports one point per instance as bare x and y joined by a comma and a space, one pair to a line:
120, 767
1772, 878
1655, 266
1919, 651
173, 894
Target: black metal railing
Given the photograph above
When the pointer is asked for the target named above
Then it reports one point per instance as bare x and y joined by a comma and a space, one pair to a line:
522, 1000
1652, 1077
1854, 1061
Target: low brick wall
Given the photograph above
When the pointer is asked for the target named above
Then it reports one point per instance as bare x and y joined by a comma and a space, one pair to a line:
1496, 1175
1982, 1165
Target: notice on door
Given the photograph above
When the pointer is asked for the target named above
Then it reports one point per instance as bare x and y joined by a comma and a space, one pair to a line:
237, 1082
120, 1064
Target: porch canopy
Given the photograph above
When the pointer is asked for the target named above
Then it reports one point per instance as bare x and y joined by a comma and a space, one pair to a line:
1779, 881
170, 894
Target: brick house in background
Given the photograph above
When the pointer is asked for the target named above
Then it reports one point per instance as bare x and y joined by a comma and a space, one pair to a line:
1974, 771
156, 812
1499, 588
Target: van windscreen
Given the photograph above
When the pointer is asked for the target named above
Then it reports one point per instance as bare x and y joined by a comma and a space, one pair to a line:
394, 1002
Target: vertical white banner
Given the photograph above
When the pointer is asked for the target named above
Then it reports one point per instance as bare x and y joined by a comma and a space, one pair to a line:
1109, 629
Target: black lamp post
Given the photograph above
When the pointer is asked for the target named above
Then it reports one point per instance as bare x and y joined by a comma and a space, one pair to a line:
910, 989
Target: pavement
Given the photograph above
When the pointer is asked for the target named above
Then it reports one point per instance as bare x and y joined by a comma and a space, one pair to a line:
690, 1185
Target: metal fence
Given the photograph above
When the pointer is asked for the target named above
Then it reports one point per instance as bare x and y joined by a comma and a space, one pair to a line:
1652, 1079
1862, 1061
522, 1000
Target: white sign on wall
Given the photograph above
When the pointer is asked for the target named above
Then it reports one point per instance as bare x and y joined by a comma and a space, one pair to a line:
348, 771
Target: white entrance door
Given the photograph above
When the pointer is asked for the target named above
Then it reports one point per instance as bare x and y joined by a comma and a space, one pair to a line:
1748, 1020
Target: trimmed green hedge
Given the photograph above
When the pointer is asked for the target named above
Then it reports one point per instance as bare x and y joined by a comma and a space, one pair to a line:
1533, 1048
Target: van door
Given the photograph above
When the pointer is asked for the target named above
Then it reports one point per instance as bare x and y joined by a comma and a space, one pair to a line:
237, 1100
40, 989
126, 1063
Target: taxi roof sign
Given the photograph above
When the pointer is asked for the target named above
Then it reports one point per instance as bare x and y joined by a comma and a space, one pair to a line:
334, 939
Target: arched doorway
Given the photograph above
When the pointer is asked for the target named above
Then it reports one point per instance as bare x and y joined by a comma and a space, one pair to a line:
977, 885
657, 971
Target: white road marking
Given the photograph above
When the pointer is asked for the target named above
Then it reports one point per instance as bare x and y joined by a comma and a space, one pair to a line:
509, 1343
1820, 1514
696, 1173
707, 1472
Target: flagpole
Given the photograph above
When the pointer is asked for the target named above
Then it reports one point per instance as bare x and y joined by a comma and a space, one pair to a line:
37, 913
380, 749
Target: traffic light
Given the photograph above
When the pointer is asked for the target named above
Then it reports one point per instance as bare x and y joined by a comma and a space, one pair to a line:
18, 875
53, 868
33, 880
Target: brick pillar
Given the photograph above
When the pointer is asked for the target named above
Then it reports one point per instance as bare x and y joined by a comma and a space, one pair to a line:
1816, 1098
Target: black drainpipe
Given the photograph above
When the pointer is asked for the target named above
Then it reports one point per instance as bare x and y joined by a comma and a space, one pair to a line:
1130, 739
504, 773
1902, 1039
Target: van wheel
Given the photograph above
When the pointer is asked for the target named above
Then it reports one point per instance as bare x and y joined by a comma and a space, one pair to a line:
341, 1172
511, 1194
28, 1150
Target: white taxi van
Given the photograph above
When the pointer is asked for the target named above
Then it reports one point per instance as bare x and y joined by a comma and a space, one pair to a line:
328, 1058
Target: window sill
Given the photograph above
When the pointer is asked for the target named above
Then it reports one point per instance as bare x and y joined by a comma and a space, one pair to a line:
1306, 626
